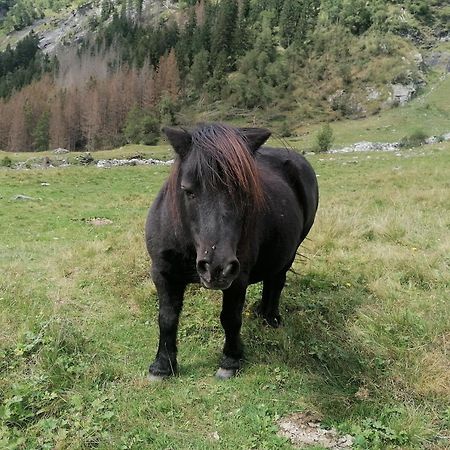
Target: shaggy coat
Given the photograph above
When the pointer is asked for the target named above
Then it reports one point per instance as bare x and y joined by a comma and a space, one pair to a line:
232, 213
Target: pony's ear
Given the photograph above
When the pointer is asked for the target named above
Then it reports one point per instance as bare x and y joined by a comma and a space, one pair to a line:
180, 140
255, 137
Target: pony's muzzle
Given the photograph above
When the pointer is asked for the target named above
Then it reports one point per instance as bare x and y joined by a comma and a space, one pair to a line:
217, 276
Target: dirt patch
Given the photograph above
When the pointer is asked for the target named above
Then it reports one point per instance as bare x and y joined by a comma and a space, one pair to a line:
305, 430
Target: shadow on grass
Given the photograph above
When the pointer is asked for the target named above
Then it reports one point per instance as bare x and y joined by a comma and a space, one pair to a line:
316, 338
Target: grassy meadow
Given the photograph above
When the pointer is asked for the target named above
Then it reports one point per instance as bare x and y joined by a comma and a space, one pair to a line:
365, 341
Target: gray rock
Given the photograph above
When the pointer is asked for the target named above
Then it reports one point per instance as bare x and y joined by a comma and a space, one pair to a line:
368, 147
432, 140
418, 58
372, 93
403, 93
438, 60
25, 197
107, 163
60, 151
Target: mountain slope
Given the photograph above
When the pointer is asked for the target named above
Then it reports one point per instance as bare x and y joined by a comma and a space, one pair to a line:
281, 64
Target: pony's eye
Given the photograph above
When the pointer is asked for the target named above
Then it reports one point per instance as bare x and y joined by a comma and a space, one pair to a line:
187, 192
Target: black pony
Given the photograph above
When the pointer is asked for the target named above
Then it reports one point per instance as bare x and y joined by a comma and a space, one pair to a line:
232, 213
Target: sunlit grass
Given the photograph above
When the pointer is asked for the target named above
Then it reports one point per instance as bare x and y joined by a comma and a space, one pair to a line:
364, 344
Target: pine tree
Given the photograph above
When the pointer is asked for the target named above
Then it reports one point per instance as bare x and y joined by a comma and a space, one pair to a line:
297, 18
41, 136
223, 37
200, 69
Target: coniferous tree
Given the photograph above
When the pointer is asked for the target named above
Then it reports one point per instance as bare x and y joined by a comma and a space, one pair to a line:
223, 37
297, 18
40, 134
167, 110
200, 70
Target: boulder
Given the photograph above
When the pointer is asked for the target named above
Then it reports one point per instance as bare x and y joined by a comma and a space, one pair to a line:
403, 93
60, 151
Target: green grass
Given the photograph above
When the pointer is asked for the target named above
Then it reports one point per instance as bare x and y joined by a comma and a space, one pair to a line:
429, 112
364, 345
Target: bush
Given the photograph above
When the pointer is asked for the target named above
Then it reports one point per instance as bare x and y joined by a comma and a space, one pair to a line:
167, 110
324, 138
285, 130
6, 162
421, 10
415, 139
141, 127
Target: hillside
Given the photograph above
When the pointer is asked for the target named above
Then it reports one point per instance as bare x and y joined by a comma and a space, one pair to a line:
104, 74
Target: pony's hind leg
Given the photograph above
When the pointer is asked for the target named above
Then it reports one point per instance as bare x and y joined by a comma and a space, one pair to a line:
268, 307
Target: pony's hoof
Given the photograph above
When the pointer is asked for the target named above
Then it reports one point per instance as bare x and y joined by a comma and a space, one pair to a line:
225, 374
155, 378
273, 321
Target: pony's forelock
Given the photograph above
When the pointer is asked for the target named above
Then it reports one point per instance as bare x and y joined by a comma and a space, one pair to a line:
221, 159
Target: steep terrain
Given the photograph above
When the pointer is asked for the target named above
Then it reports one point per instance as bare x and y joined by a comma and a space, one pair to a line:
71, 25
117, 71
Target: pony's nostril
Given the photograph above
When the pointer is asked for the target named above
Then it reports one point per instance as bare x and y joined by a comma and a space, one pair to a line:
232, 269
202, 266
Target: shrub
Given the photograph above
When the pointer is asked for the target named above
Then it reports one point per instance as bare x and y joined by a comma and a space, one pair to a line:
141, 127
285, 130
6, 162
415, 139
324, 138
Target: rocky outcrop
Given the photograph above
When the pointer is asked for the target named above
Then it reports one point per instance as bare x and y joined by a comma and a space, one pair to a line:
107, 163
439, 60
85, 160
368, 147
385, 146
403, 93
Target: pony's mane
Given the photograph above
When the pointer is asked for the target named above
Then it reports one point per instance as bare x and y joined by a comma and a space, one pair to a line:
221, 159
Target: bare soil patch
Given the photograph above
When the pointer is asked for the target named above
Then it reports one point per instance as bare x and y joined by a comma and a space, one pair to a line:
305, 430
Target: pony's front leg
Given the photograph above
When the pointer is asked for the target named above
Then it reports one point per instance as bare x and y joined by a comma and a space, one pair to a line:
170, 295
231, 319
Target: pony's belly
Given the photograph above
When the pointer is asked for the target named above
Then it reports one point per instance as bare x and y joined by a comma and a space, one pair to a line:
274, 258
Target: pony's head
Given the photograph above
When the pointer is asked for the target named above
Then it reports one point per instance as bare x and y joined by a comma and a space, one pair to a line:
216, 191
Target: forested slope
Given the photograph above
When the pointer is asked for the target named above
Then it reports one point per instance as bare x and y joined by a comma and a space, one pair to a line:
279, 63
